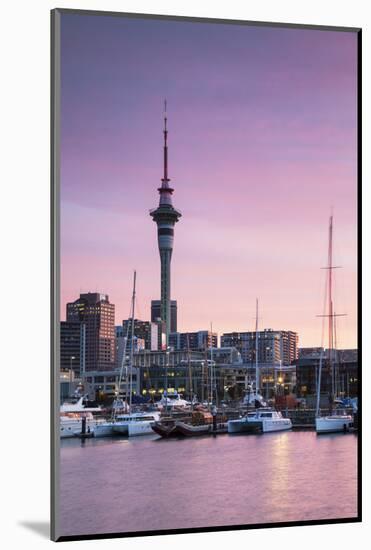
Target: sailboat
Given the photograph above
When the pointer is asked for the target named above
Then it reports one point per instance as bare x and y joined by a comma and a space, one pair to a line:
254, 398
120, 424
337, 420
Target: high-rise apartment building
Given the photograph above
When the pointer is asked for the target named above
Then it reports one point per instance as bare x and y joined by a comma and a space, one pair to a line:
72, 346
98, 315
274, 346
194, 341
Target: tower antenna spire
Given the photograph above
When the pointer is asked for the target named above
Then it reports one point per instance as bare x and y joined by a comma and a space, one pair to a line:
165, 178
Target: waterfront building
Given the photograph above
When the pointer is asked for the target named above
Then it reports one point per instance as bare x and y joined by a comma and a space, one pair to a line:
274, 379
191, 369
310, 352
96, 312
72, 346
199, 340
225, 356
346, 371
274, 346
156, 313
106, 383
165, 216
178, 370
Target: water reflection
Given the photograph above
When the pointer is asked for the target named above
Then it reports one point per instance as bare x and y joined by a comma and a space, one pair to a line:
147, 483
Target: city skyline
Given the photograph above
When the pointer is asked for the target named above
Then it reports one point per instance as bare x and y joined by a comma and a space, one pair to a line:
256, 162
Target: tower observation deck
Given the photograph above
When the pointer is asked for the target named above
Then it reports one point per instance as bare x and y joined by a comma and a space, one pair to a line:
165, 216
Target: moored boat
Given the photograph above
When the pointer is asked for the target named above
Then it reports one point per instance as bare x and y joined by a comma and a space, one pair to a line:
262, 420
119, 425
72, 415
171, 401
71, 423
165, 429
190, 430
140, 425
336, 422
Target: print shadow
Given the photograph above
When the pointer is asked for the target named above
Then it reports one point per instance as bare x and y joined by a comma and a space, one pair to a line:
42, 528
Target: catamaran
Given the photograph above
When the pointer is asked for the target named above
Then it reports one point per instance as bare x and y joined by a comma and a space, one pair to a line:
261, 420
337, 420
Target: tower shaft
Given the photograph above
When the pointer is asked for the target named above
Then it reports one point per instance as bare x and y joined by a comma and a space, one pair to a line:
165, 216
165, 257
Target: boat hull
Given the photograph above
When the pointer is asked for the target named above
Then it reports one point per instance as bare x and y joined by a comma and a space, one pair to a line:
241, 426
165, 430
105, 429
68, 428
191, 431
277, 425
259, 426
333, 424
139, 428
121, 429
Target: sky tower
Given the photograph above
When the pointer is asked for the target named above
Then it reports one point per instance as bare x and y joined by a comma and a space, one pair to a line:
165, 216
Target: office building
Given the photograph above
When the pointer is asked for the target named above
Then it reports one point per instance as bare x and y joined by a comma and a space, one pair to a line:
72, 346
144, 330
156, 313
96, 312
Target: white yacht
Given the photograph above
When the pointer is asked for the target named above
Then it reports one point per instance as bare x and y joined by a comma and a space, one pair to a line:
171, 400
252, 397
71, 415
71, 423
261, 420
78, 407
142, 426
120, 424
339, 421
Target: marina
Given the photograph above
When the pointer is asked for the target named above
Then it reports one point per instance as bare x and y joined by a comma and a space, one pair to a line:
228, 480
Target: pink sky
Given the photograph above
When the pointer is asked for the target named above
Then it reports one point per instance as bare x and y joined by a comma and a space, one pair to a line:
262, 145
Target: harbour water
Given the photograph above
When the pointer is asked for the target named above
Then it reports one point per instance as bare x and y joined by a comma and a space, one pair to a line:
146, 483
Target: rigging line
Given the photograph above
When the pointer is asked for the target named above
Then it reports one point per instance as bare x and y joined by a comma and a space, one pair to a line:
123, 361
336, 369
138, 307
318, 388
132, 340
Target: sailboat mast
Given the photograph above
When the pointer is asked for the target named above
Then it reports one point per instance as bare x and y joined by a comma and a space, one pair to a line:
336, 361
331, 315
189, 372
132, 339
257, 381
211, 365
330, 307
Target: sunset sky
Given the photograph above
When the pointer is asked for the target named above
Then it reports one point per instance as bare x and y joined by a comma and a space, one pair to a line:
262, 146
